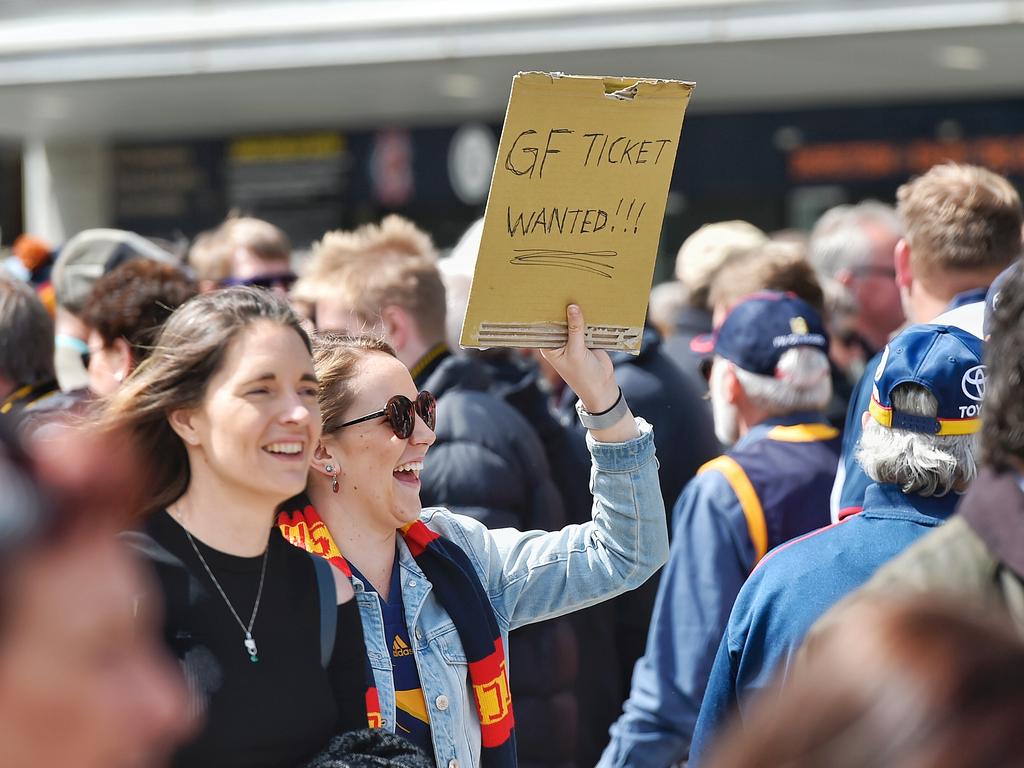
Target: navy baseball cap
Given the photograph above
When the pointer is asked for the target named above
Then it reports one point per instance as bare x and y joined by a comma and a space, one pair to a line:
945, 360
994, 291
762, 326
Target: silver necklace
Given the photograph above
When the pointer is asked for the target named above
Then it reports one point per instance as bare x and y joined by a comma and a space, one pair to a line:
248, 642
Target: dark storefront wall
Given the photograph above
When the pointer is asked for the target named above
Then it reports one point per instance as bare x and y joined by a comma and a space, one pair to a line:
777, 170
306, 183
11, 218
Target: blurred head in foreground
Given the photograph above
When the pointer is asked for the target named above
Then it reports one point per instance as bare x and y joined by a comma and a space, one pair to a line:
83, 681
918, 683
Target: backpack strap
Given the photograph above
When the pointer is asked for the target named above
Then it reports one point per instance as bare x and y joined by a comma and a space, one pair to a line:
328, 608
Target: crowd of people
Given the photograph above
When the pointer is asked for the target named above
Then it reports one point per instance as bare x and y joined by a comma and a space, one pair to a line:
261, 510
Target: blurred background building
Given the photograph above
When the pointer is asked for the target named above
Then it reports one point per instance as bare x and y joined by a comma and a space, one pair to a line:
160, 116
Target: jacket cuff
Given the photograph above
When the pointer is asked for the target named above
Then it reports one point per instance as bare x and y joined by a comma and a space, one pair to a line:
623, 457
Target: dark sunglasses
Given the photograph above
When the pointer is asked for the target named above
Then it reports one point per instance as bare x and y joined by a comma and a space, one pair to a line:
401, 413
283, 280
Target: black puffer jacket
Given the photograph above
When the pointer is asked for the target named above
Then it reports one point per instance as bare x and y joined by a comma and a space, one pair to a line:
616, 632
488, 463
517, 382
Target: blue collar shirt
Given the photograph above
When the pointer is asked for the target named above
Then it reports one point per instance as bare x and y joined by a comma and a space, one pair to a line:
795, 584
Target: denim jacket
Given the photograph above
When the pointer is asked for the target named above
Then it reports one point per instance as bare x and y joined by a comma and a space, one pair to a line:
529, 576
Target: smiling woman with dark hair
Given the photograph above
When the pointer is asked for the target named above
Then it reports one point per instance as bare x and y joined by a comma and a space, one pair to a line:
226, 416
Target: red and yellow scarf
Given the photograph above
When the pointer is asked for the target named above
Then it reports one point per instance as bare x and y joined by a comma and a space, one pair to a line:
458, 588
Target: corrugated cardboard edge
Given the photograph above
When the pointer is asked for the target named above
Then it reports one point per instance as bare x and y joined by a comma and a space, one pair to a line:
554, 335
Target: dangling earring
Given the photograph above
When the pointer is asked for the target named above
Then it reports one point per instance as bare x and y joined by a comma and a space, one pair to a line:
334, 477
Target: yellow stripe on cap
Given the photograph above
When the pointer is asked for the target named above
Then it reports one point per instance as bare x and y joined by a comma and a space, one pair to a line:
749, 502
959, 426
803, 433
880, 413
883, 416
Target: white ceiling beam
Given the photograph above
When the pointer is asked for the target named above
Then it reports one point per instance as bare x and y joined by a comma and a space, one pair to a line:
220, 38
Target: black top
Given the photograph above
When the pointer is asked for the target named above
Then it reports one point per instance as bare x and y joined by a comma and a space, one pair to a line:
283, 709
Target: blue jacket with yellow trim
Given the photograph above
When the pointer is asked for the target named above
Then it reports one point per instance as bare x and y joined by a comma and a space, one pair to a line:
796, 584
772, 485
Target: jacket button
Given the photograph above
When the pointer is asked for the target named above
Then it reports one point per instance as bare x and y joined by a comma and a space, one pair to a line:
453, 763
412, 583
441, 702
419, 635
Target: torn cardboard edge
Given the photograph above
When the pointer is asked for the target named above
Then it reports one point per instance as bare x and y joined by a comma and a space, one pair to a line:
614, 86
554, 335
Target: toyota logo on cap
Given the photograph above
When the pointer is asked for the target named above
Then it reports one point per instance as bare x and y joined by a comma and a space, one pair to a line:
973, 383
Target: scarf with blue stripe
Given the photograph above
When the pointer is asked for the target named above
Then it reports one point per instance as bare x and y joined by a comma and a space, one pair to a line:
458, 589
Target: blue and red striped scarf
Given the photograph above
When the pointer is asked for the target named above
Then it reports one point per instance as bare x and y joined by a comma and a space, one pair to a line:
462, 596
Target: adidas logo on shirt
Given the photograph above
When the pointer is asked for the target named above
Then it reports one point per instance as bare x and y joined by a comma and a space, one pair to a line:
399, 648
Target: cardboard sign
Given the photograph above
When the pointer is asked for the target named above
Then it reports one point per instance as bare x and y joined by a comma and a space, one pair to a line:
575, 210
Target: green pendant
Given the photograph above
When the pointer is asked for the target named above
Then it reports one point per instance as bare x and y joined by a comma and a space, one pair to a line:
250, 648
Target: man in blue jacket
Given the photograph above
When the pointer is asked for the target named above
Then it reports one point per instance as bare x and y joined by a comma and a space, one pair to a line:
918, 446
769, 383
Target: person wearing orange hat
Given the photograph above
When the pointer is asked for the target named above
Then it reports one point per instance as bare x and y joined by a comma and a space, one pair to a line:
36, 256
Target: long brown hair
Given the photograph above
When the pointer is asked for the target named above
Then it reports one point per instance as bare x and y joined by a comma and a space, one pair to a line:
188, 353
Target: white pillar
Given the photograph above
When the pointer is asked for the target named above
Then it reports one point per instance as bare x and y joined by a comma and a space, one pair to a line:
66, 187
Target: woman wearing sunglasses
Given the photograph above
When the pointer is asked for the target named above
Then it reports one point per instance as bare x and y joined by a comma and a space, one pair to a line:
226, 418
439, 592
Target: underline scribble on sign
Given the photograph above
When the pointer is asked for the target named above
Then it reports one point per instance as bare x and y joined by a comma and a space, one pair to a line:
594, 262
